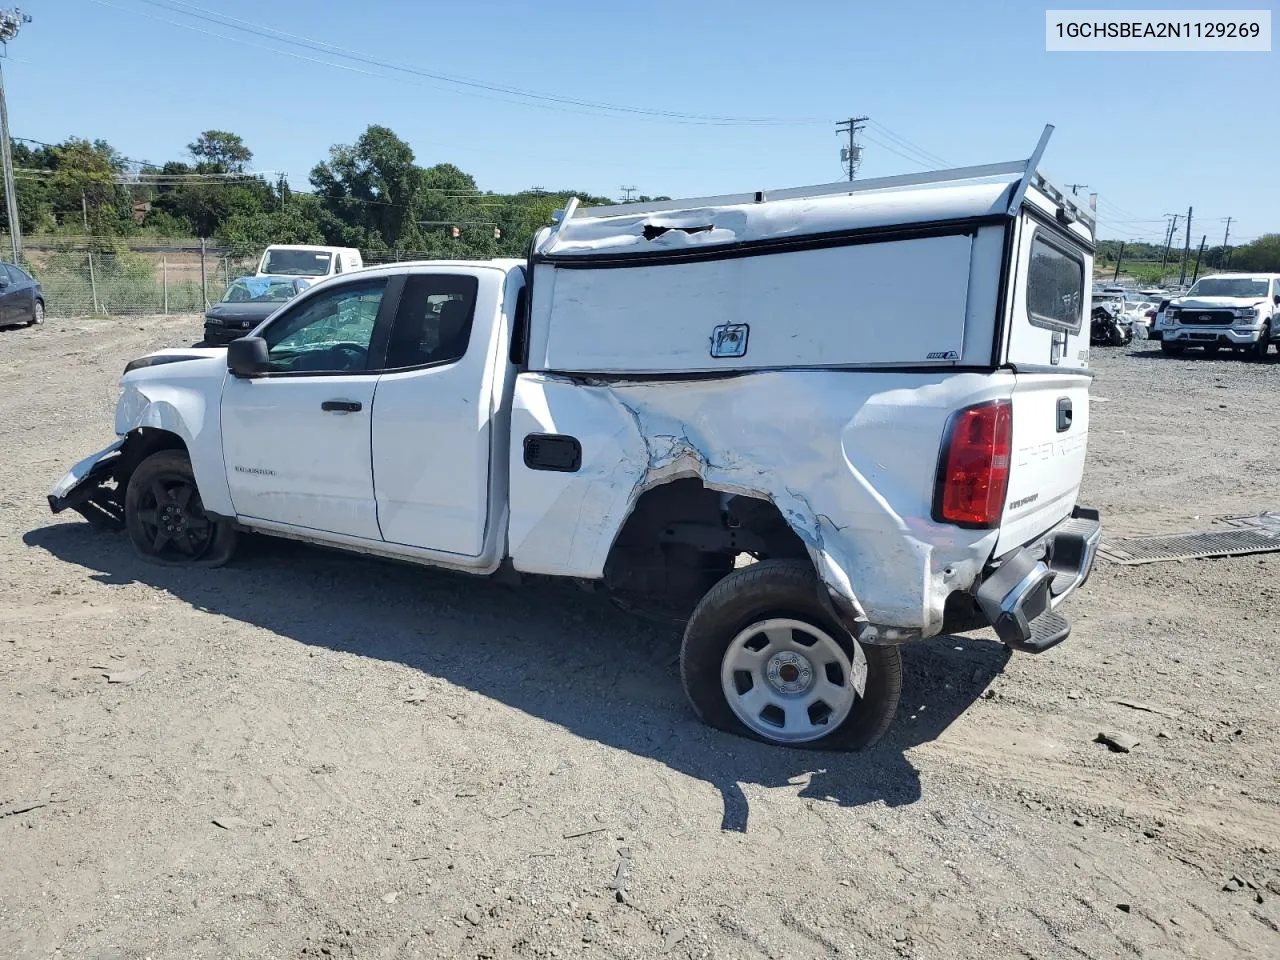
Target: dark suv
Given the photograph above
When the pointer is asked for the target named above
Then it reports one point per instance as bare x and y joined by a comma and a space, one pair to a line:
21, 297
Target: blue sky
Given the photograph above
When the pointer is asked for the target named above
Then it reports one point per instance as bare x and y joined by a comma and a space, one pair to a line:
1151, 132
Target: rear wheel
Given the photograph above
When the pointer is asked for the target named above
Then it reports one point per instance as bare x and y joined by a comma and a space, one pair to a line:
166, 519
37, 313
1171, 348
762, 657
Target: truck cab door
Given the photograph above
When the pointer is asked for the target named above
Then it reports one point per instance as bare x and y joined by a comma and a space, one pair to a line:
435, 411
296, 441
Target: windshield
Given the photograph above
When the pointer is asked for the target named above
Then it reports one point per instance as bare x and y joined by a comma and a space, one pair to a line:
259, 290
1229, 287
297, 263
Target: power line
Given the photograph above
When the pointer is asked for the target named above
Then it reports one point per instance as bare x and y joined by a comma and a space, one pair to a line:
891, 149
528, 97
902, 141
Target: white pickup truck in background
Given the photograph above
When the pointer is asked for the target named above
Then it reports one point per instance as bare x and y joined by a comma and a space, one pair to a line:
659, 390
1239, 311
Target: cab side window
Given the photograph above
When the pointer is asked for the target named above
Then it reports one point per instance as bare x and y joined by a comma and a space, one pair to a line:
329, 333
433, 321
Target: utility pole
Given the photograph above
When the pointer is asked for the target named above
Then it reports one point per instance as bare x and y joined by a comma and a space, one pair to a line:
1225, 236
1199, 254
1119, 260
84, 212
627, 194
851, 156
1168, 241
10, 22
1186, 252
1075, 187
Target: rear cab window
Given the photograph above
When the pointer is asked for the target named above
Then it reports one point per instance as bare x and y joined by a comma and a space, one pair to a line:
1055, 284
433, 321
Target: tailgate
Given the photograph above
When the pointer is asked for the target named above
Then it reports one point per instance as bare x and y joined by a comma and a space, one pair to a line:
1050, 433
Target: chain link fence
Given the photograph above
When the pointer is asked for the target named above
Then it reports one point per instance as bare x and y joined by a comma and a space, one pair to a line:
109, 276
92, 276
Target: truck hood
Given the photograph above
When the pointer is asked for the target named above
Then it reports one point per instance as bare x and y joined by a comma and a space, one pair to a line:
177, 364
1217, 303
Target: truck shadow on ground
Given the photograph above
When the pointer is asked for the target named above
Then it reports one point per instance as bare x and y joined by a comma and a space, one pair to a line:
549, 649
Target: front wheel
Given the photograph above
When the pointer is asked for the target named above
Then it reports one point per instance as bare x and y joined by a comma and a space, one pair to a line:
166, 519
1170, 348
763, 658
1211, 349
1259, 349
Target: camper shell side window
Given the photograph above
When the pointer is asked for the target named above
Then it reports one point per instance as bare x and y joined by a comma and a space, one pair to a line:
1055, 283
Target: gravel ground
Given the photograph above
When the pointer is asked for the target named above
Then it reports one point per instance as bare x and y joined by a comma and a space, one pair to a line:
337, 757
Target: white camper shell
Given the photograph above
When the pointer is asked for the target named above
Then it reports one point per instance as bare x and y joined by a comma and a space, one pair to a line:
896, 272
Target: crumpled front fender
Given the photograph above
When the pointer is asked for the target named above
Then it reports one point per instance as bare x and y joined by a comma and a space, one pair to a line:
184, 400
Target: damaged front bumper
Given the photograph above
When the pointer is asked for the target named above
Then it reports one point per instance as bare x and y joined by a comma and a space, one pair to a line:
1021, 596
88, 488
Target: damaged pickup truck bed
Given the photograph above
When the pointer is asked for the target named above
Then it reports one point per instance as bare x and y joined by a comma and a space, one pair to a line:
658, 393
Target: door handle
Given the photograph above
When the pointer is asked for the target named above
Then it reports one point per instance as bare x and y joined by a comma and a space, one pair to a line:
341, 406
1064, 414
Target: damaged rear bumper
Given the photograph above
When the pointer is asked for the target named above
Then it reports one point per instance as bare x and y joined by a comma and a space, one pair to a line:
86, 488
1021, 596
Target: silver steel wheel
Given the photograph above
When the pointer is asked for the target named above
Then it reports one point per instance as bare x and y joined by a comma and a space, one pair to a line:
37, 313
789, 681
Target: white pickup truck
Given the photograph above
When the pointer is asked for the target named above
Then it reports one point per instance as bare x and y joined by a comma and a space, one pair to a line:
1239, 311
723, 407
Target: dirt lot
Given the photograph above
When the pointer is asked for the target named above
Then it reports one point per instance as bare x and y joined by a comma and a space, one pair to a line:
334, 757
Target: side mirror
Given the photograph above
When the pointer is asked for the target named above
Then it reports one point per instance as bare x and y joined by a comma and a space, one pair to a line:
4, 282
247, 357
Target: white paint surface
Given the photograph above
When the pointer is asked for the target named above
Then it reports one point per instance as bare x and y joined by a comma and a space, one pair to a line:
900, 302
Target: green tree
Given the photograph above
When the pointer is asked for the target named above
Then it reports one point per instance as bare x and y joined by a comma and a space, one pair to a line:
1261, 256
373, 185
220, 151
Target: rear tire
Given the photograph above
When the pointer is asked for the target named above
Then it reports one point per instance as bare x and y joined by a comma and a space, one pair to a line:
764, 627
37, 314
1171, 349
165, 517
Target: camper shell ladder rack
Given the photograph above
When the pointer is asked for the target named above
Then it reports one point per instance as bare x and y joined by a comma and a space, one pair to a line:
1025, 171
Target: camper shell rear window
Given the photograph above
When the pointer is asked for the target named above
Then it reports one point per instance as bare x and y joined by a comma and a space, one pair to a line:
1055, 284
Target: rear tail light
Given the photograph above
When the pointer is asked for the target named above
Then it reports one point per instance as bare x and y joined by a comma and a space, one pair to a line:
973, 470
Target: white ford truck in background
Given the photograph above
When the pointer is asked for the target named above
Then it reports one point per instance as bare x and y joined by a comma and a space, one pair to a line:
657, 391
1239, 311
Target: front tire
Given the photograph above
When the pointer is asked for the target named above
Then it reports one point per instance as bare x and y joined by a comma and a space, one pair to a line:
763, 658
1260, 349
1211, 349
166, 519
1171, 349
